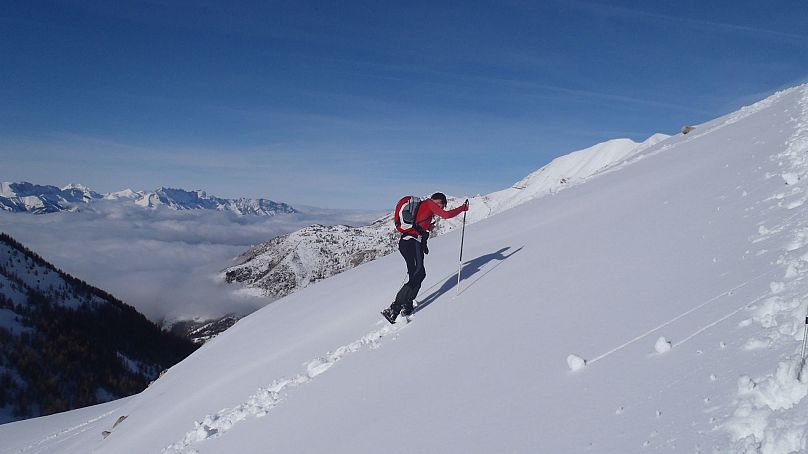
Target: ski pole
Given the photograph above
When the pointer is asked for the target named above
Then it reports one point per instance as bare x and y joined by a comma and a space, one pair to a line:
462, 237
804, 339
804, 345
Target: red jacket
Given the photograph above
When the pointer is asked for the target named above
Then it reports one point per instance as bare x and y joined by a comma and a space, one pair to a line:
423, 218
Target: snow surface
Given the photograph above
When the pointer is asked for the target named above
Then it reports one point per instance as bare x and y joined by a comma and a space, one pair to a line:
698, 238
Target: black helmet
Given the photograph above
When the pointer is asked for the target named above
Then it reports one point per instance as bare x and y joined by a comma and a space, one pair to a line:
439, 196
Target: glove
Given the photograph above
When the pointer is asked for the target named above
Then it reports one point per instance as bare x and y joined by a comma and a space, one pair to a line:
424, 238
417, 227
466, 205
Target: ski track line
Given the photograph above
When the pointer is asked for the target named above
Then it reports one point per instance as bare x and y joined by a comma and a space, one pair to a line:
688, 312
64, 432
266, 398
706, 327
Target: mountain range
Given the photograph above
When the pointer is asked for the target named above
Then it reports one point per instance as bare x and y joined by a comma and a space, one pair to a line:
42, 199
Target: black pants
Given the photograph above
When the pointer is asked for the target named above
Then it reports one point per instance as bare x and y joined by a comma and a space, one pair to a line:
414, 256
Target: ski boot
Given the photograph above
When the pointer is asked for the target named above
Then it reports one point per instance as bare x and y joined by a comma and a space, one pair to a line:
390, 315
408, 310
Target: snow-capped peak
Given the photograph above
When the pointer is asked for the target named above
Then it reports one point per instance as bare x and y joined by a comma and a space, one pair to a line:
124, 194
582, 164
79, 187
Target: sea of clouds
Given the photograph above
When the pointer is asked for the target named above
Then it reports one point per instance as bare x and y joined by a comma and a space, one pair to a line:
165, 263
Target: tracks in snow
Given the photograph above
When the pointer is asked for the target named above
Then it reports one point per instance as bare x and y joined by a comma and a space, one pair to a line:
686, 313
266, 398
62, 435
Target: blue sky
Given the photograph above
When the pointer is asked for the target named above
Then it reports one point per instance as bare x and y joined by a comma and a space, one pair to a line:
353, 104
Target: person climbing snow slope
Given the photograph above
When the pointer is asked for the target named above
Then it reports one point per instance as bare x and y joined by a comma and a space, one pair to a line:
414, 219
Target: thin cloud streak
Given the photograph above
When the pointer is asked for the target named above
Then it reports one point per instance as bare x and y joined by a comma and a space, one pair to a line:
503, 82
612, 10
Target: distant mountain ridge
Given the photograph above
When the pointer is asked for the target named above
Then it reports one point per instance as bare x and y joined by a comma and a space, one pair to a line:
290, 262
42, 199
38, 199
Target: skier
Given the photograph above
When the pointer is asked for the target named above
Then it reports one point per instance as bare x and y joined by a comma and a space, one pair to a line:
413, 246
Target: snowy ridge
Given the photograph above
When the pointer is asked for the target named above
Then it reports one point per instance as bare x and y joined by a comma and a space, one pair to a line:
288, 263
561, 173
573, 168
180, 199
38, 199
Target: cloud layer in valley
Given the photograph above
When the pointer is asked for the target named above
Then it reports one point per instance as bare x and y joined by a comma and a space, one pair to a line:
164, 262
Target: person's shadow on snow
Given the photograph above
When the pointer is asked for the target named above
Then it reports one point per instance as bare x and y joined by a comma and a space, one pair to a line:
469, 269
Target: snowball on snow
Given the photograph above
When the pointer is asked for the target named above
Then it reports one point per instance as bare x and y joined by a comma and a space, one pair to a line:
790, 178
662, 345
575, 362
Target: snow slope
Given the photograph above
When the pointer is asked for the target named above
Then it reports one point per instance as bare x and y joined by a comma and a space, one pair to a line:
700, 239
